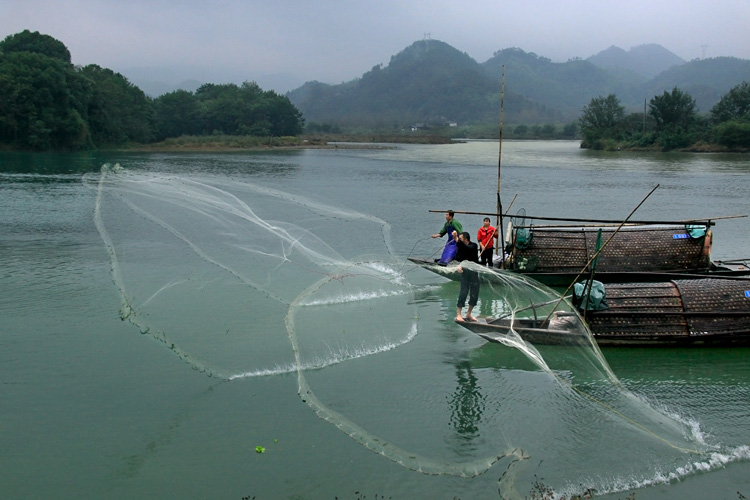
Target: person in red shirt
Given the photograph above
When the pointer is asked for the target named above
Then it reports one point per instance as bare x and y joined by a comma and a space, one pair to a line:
486, 236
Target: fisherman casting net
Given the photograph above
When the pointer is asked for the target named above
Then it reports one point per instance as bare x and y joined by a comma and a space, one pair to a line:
241, 280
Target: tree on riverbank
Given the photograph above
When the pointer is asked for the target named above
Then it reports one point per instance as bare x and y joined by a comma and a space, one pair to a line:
602, 119
42, 97
732, 118
118, 112
47, 103
675, 119
672, 122
227, 109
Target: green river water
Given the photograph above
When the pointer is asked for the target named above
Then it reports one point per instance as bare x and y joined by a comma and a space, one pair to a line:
232, 325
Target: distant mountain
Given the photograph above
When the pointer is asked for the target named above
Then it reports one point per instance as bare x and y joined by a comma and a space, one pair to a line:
155, 89
646, 60
432, 82
428, 82
156, 81
565, 87
707, 80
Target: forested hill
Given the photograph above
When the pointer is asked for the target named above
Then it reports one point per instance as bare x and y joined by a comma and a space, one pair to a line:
564, 87
430, 82
47, 103
645, 61
707, 80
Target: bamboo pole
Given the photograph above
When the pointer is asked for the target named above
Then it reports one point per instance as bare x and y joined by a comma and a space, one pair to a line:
499, 208
593, 257
705, 220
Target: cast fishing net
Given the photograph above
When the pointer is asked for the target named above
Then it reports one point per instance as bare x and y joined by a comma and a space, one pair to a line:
241, 280
210, 267
543, 362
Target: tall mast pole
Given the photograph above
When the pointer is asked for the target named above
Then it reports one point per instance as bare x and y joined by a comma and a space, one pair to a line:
500, 247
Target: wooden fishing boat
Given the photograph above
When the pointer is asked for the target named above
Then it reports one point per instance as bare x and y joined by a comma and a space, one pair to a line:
657, 248
559, 256
563, 329
707, 311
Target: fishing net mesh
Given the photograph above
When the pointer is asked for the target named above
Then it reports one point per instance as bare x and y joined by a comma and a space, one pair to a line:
241, 280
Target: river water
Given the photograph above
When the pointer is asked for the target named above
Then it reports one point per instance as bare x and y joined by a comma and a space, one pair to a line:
246, 325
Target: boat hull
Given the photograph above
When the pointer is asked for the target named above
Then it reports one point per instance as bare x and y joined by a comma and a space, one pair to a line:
700, 312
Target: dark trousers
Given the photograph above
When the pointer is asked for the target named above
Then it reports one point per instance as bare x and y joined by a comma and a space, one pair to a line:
485, 258
470, 287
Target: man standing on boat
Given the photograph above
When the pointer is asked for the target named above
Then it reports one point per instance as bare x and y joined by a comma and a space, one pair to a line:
486, 236
451, 225
467, 251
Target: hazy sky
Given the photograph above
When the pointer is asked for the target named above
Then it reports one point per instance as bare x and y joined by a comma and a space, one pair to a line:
336, 40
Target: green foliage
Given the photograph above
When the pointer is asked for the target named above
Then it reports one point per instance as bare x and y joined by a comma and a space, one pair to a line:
570, 131
562, 86
735, 105
601, 118
36, 43
227, 109
176, 113
42, 103
637, 64
47, 103
676, 139
704, 79
521, 130
673, 112
733, 134
672, 123
284, 117
429, 82
220, 141
118, 111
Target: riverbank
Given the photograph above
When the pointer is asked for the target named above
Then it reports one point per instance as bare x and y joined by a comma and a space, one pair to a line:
248, 143
698, 147
695, 148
